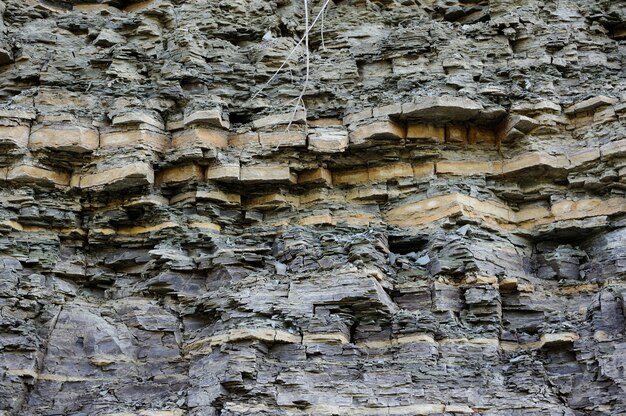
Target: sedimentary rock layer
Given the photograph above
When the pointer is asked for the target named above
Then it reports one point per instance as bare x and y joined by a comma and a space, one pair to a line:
439, 230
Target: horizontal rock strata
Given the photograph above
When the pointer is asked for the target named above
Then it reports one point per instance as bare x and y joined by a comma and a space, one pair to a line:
441, 231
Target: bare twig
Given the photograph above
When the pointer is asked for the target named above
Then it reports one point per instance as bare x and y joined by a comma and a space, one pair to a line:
308, 60
322, 28
303, 39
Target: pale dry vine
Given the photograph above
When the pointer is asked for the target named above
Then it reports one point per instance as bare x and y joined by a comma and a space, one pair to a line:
299, 101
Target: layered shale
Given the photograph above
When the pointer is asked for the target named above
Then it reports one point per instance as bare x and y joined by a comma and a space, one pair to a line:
441, 231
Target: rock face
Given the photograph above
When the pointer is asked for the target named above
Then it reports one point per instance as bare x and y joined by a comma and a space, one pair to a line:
442, 231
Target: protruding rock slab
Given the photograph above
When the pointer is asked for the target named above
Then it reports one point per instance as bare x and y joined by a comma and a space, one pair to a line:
14, 136
132, 175
230, 172
175, 175
213, 117
426, 131
316, 176
37, 175
64, 138
280, 119
138, 117
292, 138
441, 109
514, 127
267, 174
366, 134
200, 137
328, 139
590, 104
128, 139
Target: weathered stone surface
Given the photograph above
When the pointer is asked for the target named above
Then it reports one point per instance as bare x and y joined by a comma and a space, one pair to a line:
277, 119
481, 135
456, 133
271, 202
292, 138
224, 173
515, 126
35, 174
590, 104
426, 131
200, 137
364, 135
267, 174
138, 117
206, 117
467, 168
131, 175
350, 176
316, 176
328, 139
64, 138
14, 136
244, 140
438, 230
129, 139
441, 109
390, 171
534, 160
188, 173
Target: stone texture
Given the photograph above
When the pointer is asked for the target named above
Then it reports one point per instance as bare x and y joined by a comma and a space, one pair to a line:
64, 138
27, 173
225, 173
200, 137
426, 131
206, 117
439, 232
366, 134
291, 138
442, 109
134, 138
591, 104
328, 139
14, 136
267, 174
127, 176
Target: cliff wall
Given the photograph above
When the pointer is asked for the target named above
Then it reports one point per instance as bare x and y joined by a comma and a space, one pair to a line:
441, 231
